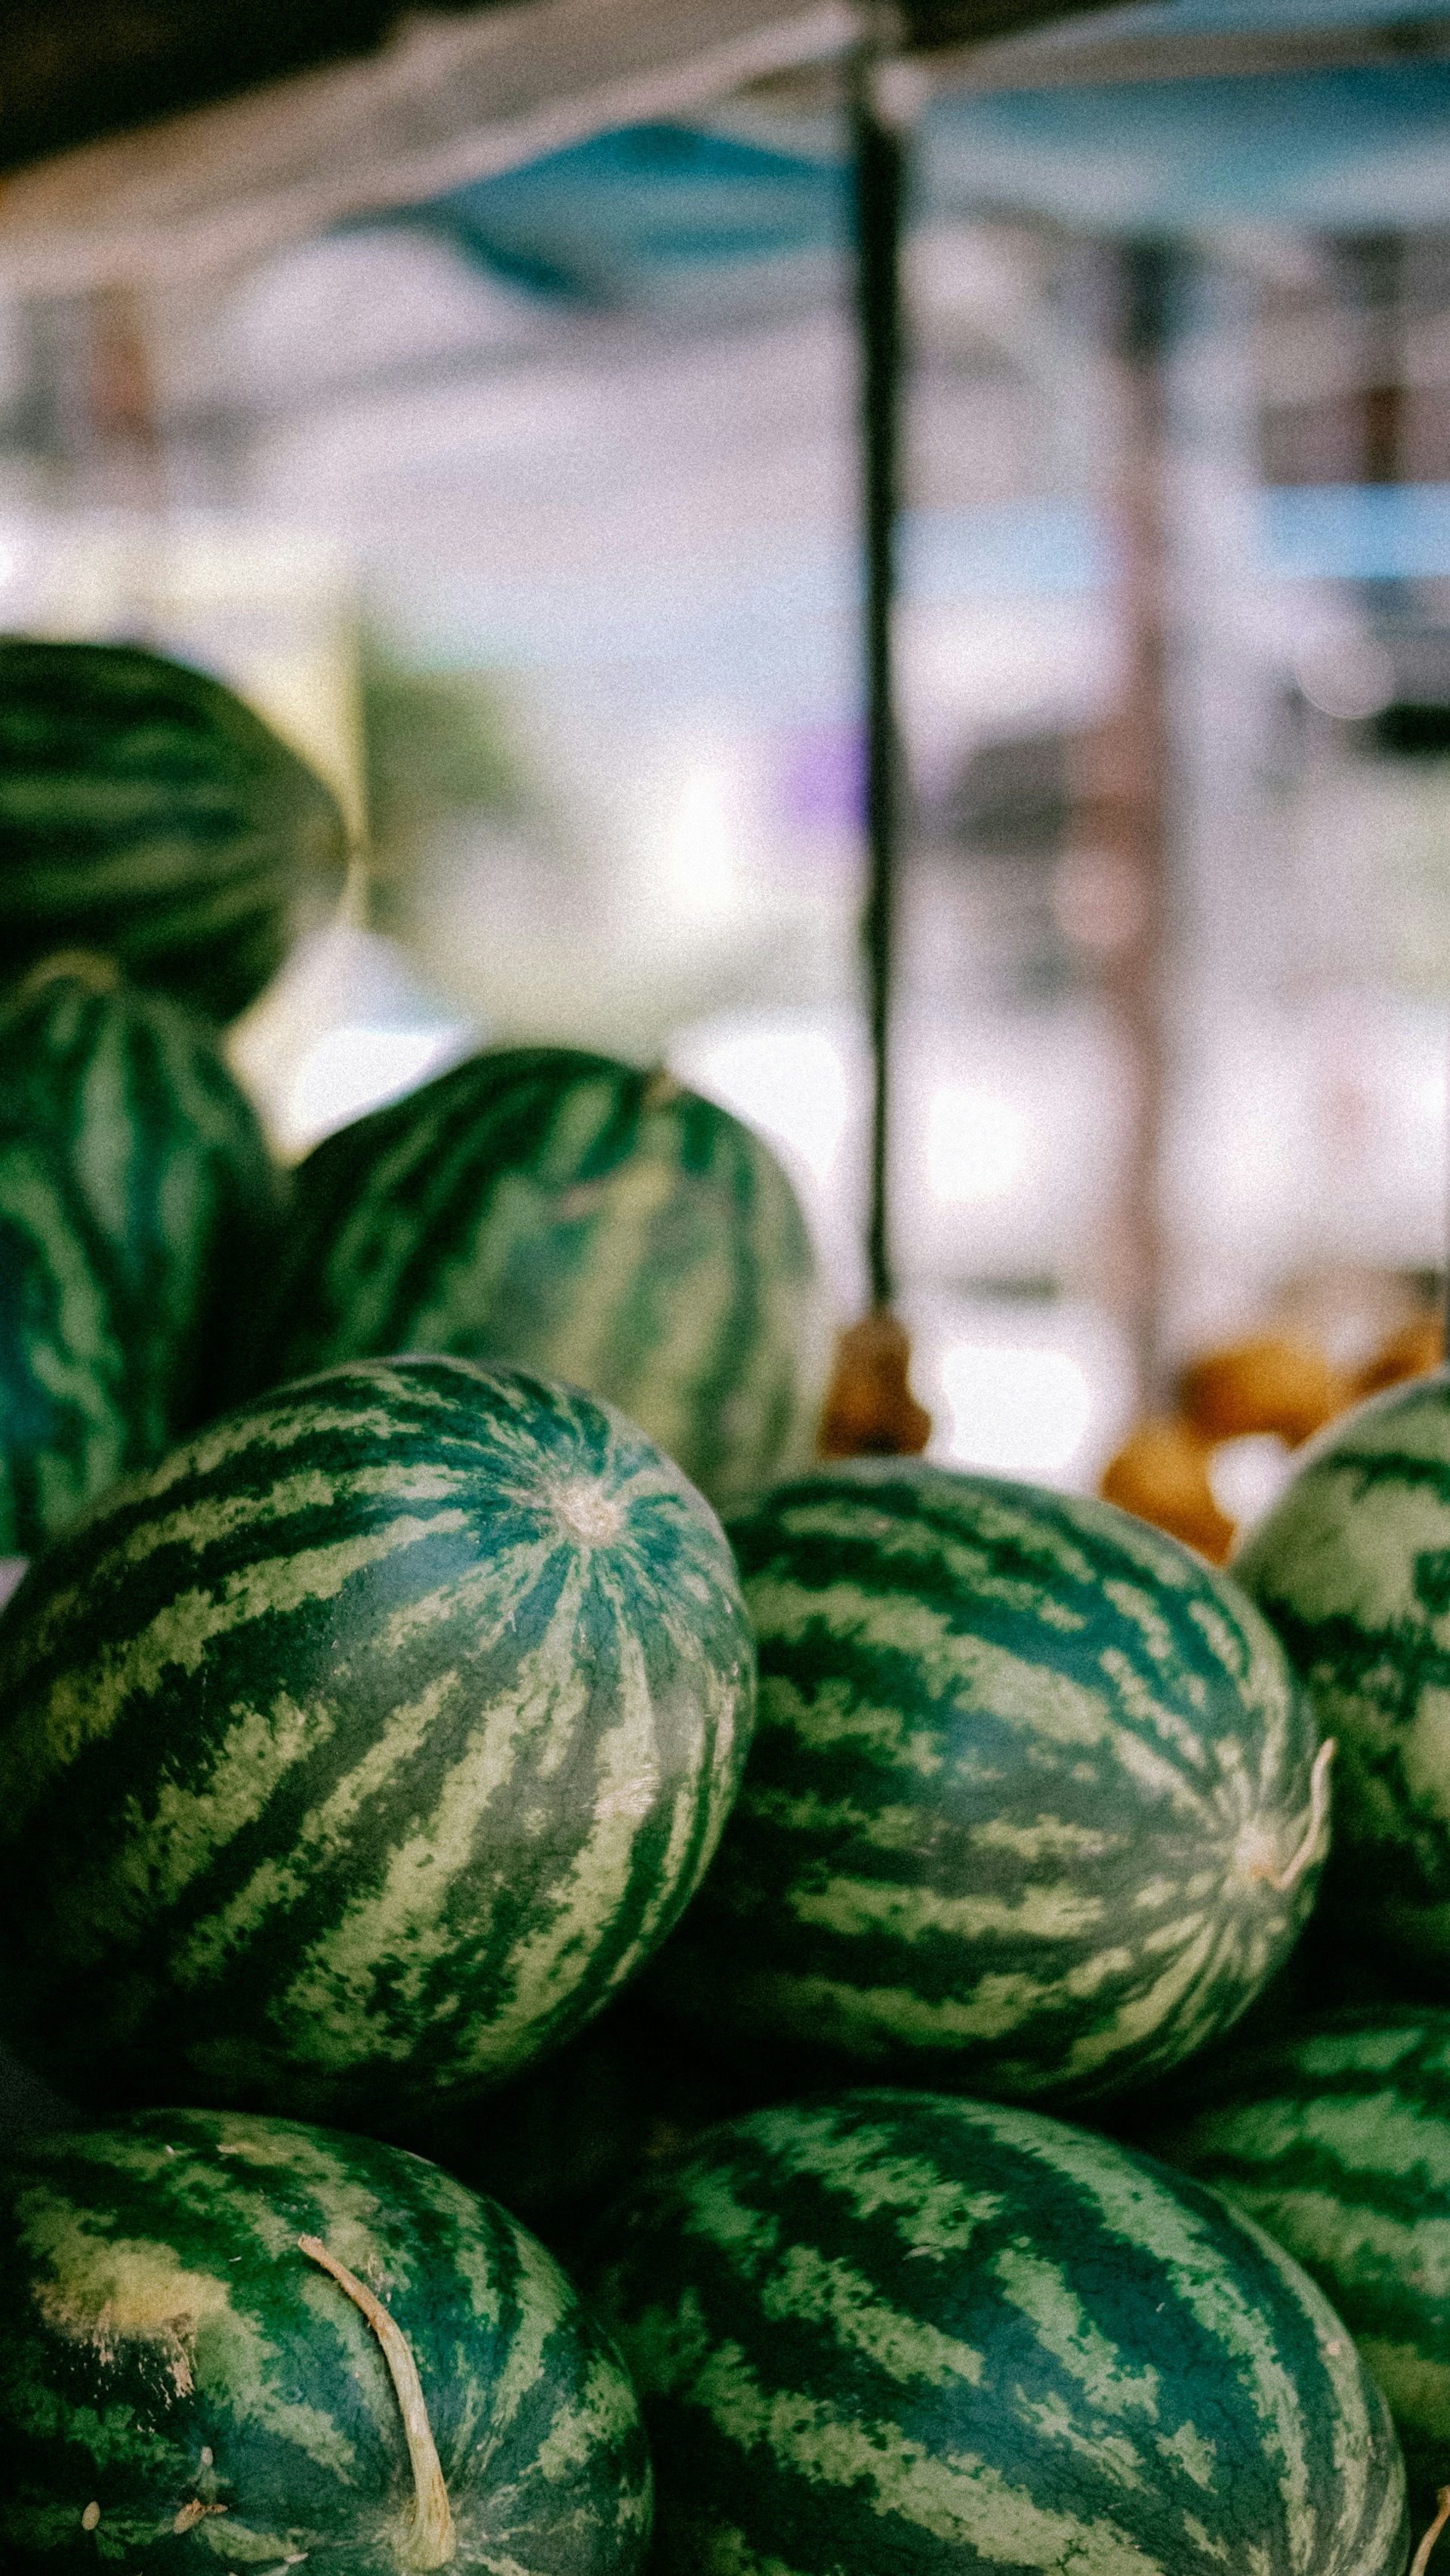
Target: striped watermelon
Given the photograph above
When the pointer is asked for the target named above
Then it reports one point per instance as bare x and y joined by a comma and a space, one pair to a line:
361, 1749
147, 813
576, 1216
136, 1202
1352, 1567
1033, 1801
899, 2332
209, 2327
1337, 2140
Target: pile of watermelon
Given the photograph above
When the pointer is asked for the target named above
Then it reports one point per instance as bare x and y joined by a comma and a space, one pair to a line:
563, 2034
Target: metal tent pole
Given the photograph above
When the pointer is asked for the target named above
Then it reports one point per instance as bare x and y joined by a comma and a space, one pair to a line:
871, 1407
880, 171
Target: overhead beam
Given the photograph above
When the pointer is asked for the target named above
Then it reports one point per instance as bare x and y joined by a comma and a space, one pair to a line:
449, 101
1111, 48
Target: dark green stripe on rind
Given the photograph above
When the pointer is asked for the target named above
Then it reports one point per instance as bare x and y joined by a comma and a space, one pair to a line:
147, 813
165, 2347
1337, 2140
1025, 1776
571, 1214
1352, 1567
136, 1204
896, 2331
364, 1747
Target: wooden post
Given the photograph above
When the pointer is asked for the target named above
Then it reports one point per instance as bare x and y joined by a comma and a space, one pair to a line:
1121, 795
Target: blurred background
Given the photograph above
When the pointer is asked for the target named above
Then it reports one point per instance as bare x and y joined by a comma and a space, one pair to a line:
527, 506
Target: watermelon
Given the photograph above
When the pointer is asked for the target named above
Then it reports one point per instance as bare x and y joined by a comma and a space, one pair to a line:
361, 1749
576, 1216
1033, 1806
136, 1204
145, 812
1336, 2139
231, 2342
1352, 1567
899, 2331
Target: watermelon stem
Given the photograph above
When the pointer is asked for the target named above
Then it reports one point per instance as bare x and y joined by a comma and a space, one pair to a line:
430, 2541
1318, 1811
1421, 2558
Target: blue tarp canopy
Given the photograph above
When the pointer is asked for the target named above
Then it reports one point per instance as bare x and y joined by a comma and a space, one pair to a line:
1340, 145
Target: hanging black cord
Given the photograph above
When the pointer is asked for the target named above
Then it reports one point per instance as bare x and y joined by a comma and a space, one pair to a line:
880, 188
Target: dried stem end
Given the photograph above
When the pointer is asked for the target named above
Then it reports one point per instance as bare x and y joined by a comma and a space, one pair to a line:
1318, 1813
1282, 1880
430, 2538
1421, 2558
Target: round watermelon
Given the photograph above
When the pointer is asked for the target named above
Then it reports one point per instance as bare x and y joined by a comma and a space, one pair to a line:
1352, 1567
896, 2331
363, 1748
573, 1215
1336, 2139
1034, 1803
238, 2343
137, 1205
147, 813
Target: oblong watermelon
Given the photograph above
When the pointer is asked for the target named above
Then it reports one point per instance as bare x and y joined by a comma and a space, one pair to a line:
900, 2331
137, 1203
363, 1748
145, 812
185, 2383
1032, 1802
1352, 1567
1336, 2139
574, 1215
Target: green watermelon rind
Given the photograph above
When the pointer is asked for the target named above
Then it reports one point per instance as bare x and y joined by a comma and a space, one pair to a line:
137, 1207
1335, 2139
147, 813
362, 1749
1352, 1569
897, 2330
1030, 1807
182, 2386
565, 1212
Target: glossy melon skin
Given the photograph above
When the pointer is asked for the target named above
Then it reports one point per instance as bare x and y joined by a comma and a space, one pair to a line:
897, 2331
1336, 2139
147, 814
1025, 1774
137, 1206
570, 1214
182, 2388
1352, 1567
363, 1748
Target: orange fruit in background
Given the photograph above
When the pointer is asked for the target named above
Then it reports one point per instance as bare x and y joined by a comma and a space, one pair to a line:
1161, 1475
1267, 1384
1413, 1351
